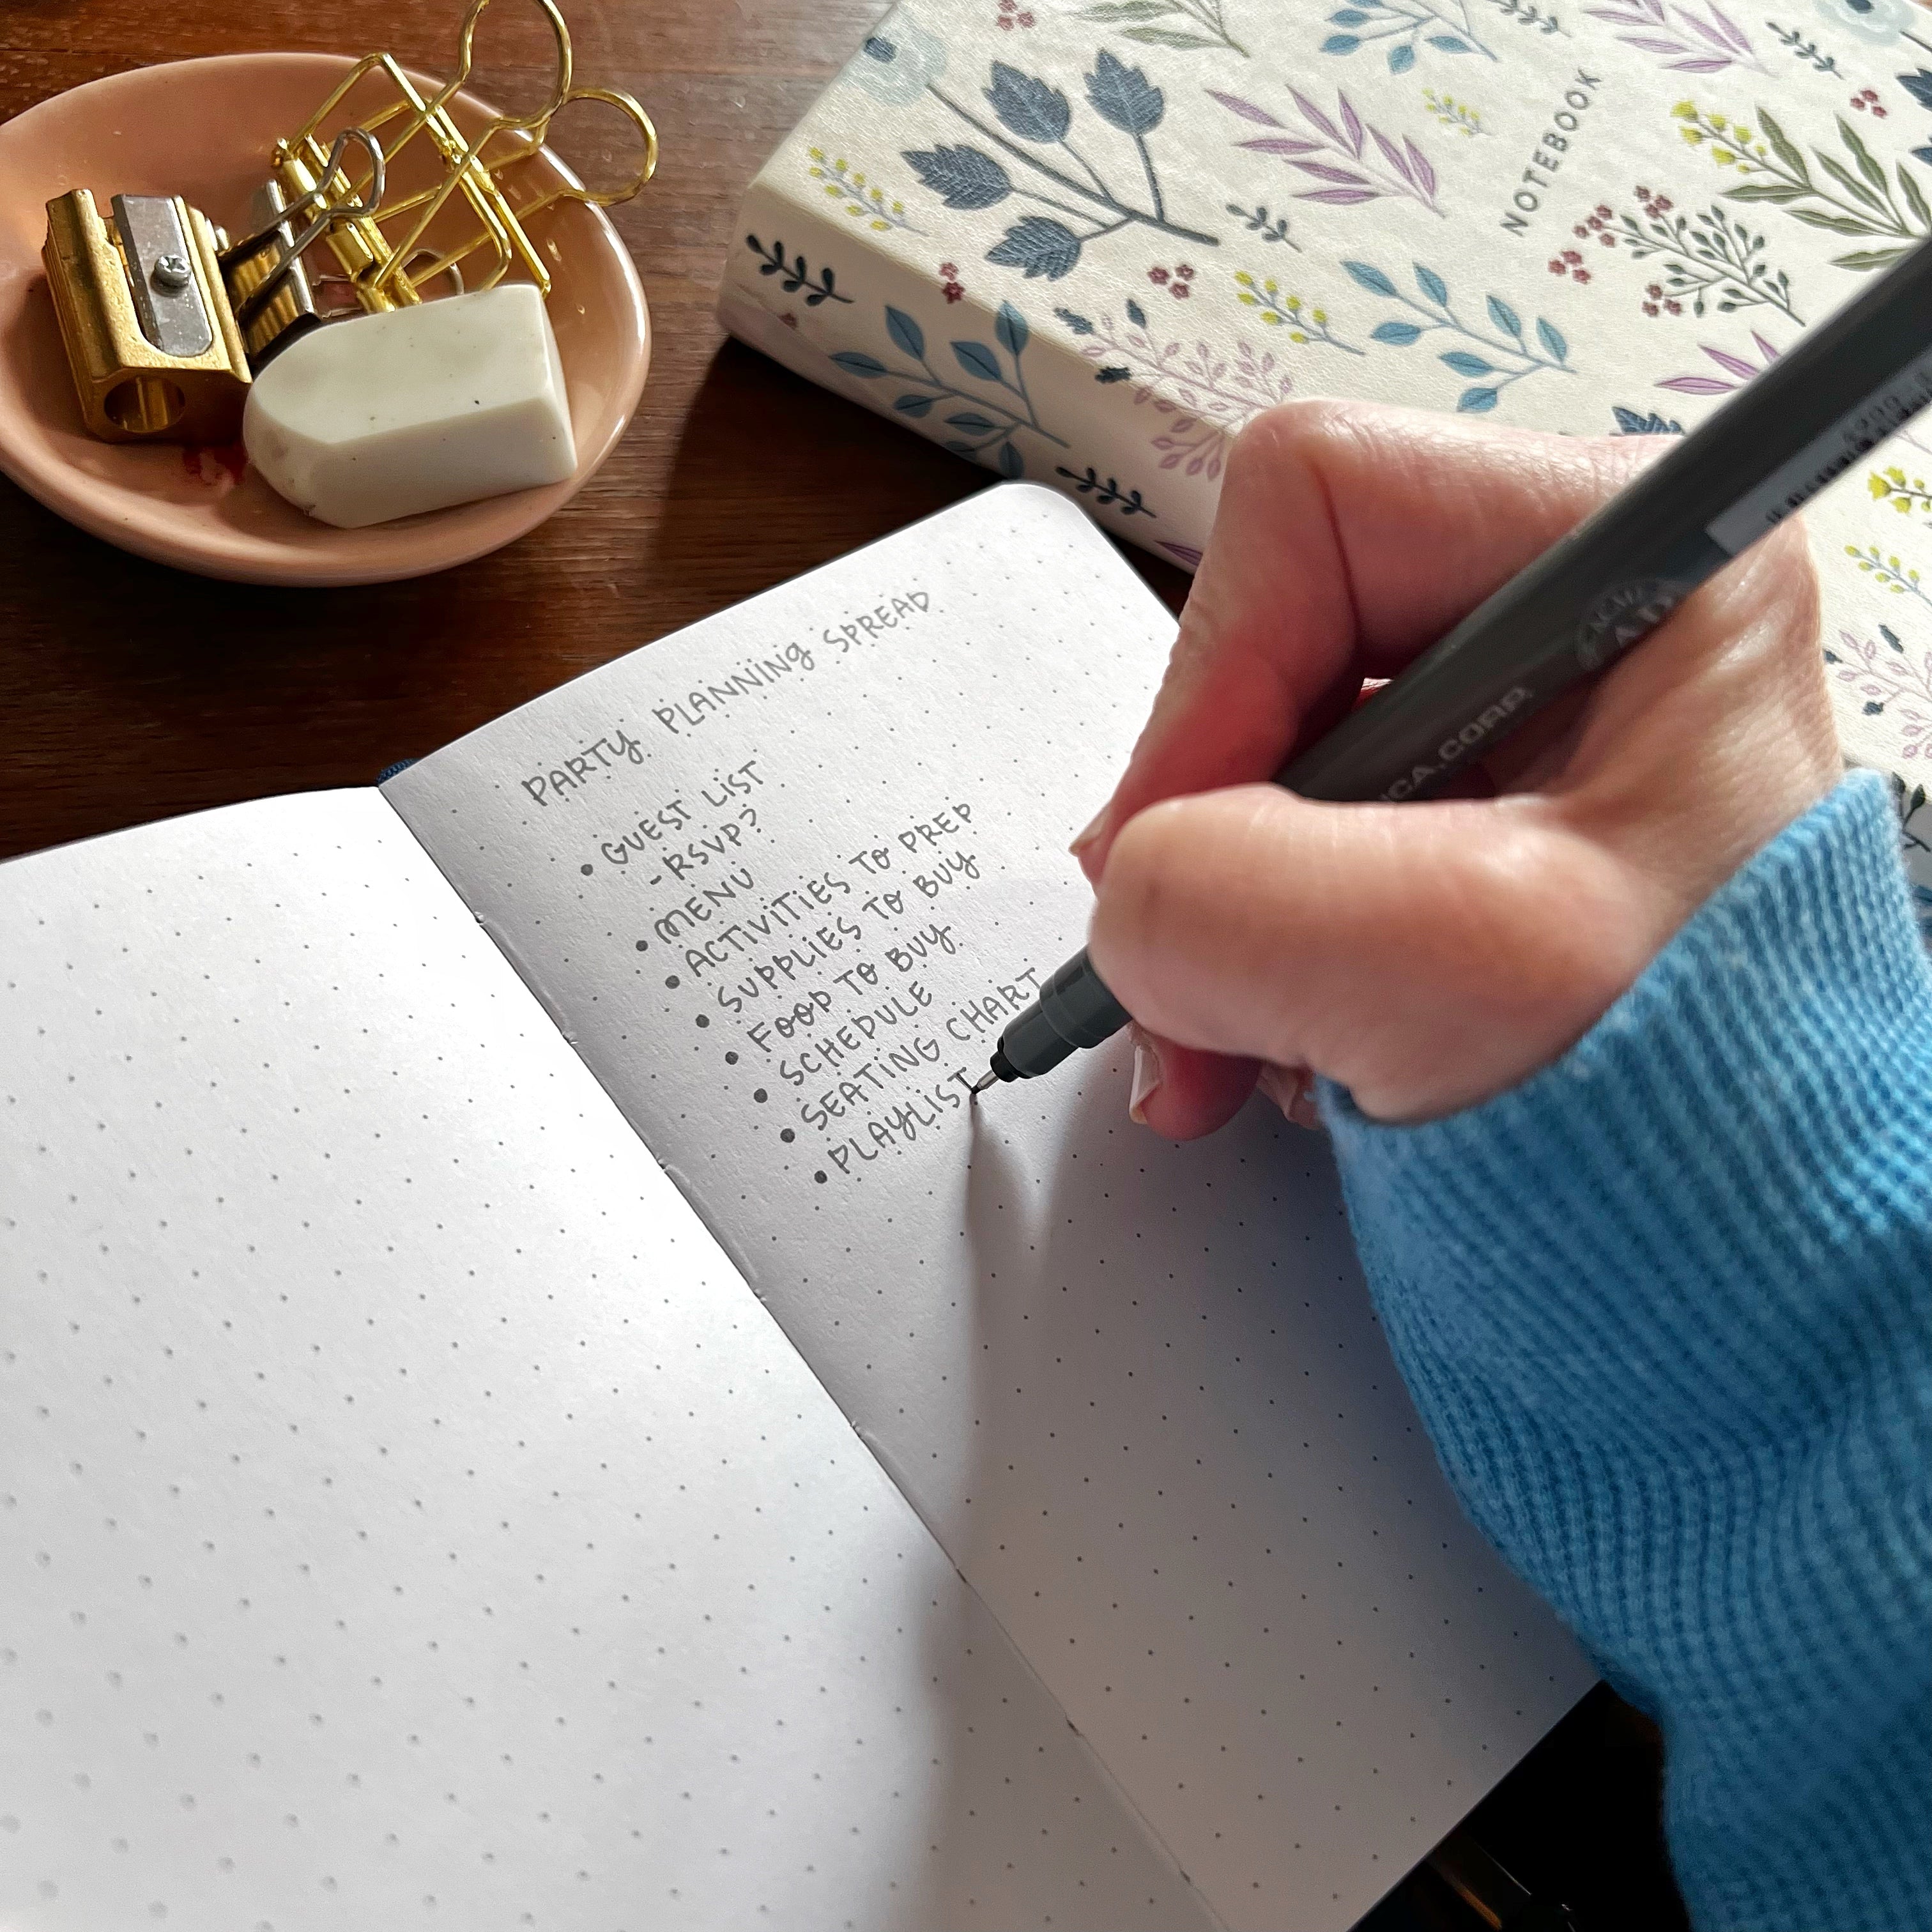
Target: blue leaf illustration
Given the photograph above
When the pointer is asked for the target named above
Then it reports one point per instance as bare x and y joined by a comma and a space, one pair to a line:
964, 176
914, 406
1464, 364
1552, 337
976, 359
1340, 43
959, 448
1474, 402
1373, 280
974, 425
1919, 85
1432, 285
1348, 17
1038, 244
1505, 318
855, 364
1135, 313
1011, 463
1402, 57
1116, 374
1123, 96
1079, 324
1010, 326
1400, 333
1641, 422
906, 332
1448, 44
1027, 107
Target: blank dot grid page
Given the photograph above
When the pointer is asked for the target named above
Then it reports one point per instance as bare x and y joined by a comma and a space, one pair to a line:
782, 878
408, 1517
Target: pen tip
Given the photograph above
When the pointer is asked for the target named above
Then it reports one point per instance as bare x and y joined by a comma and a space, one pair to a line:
980, 1085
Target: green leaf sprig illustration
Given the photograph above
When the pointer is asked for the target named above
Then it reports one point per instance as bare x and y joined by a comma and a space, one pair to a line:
1858, 200
1184, 24
1105, 492
796, 276
985, 425
1707, 256
1035, 121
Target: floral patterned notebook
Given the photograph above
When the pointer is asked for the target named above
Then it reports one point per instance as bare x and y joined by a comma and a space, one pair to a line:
1084, 241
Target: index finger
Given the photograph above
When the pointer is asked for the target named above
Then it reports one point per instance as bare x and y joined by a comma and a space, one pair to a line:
1350, 537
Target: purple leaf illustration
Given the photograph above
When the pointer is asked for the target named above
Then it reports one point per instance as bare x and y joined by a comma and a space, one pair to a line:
1322, 171
1424, 172
1697, 385
1314, 116
1706, 33
1280, 144
1339, 197
1736, 364
1765, 349
1690, 43
1246, 109
1728, 27
1351, 121
1392, 155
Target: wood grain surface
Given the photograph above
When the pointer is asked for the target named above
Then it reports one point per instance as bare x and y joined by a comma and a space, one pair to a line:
129, 691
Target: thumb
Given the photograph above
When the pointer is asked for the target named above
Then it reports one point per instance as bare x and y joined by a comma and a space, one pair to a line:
1425, 956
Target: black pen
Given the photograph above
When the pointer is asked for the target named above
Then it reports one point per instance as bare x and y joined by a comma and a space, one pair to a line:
1848, 385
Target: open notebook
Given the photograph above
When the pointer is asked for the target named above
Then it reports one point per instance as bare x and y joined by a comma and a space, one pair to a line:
528, 1398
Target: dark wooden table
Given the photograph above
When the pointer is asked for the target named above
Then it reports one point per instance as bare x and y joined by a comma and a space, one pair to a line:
128, 692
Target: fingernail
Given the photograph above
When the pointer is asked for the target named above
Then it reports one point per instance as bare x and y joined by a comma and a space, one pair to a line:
1146, 1076
1292, 1089
1089, 833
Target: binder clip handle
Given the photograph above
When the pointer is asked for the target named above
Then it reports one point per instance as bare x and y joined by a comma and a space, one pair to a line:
353, 204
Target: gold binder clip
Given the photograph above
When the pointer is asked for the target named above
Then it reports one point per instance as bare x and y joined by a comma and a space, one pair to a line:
390, 257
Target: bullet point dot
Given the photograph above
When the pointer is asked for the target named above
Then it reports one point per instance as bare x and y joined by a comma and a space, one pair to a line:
672, 981
704, 1019
820, 1175
730, 1060
585, 870
760, 1094
786, 1134
644, 945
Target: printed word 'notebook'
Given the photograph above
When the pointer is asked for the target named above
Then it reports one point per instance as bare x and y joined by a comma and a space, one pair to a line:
530, 1399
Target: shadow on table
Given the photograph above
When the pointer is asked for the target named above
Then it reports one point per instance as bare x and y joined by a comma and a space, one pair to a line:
762, 451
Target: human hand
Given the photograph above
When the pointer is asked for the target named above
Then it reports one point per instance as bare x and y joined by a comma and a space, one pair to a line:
1427, 956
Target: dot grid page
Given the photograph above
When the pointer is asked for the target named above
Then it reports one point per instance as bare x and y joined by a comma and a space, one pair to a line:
782, 878
407, 1515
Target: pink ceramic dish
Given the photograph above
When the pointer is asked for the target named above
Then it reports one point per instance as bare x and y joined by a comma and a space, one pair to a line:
203, 129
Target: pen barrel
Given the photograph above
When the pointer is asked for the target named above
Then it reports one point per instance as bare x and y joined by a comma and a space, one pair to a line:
1074, 1009
1849, 383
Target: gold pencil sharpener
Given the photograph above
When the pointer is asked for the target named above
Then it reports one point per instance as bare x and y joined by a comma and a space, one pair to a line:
150, 332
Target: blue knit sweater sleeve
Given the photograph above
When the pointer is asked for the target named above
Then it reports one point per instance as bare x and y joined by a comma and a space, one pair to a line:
1666, 1311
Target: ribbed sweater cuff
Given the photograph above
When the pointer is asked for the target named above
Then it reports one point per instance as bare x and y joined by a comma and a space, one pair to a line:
1664, 1309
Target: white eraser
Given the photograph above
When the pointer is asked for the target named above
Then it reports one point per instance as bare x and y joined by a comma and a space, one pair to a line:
416, 409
